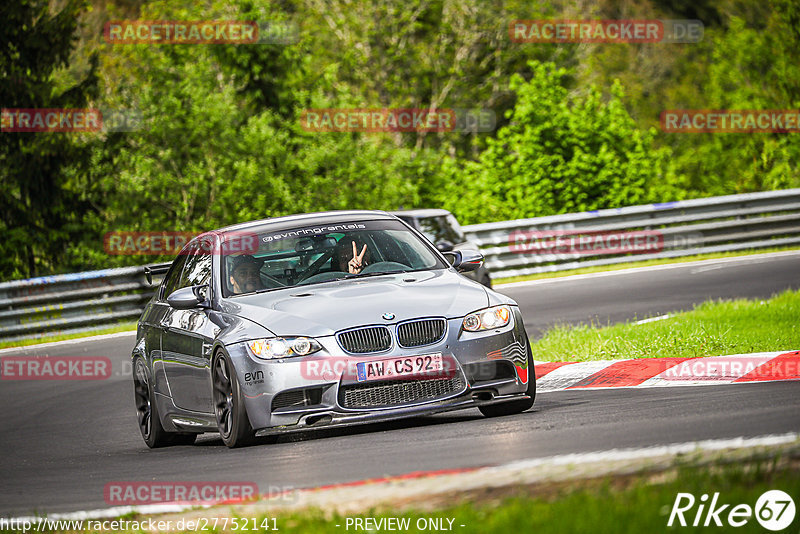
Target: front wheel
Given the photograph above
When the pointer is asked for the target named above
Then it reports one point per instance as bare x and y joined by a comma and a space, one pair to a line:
232, 422
515, 406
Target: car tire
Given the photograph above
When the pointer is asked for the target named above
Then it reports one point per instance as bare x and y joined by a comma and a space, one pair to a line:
147, 412
515, 406
229, 409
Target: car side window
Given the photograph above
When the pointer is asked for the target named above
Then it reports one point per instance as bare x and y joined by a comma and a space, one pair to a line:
430, 229
173, 277
438, 229
197, 271
452, 223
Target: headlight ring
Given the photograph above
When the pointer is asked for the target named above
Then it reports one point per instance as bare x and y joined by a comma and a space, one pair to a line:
283, 347
487, 319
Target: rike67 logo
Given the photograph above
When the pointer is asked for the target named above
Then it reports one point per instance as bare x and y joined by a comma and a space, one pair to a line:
774, 510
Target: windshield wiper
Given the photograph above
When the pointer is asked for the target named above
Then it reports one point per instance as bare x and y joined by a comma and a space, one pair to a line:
348, 276
266, 290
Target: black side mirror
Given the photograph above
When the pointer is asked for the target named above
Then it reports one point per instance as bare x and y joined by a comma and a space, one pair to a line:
187, 298
444, 246
464, 260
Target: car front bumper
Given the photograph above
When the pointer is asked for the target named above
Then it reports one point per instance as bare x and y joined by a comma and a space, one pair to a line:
467, 355
328, 418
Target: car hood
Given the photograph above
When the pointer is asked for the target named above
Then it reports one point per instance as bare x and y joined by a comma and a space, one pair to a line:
322, 309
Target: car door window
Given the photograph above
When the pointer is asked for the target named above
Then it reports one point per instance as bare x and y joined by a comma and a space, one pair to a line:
173, 277
430, 229
197, 270
192, 267
454, 228
438, 229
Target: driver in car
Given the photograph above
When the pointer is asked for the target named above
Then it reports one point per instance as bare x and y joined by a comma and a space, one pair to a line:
350, 261
244, 274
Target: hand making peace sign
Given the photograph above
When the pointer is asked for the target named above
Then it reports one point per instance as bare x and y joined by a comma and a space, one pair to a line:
355, 265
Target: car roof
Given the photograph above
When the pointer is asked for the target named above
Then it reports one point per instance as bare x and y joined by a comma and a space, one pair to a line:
321, 218
421, 213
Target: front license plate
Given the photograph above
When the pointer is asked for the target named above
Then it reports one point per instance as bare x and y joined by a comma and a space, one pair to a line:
399, 367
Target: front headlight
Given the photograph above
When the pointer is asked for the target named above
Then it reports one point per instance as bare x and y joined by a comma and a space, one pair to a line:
488, 319
283, 347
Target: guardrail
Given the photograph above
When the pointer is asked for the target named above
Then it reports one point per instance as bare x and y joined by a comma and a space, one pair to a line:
70, 303
85, 301
668, 230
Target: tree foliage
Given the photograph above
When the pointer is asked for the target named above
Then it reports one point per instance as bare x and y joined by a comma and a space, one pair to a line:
562, 154
42, 199
221, 141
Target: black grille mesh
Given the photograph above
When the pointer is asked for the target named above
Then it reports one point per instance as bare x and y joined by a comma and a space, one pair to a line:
420, 332
396, 392
364, 340
297, 398
289, 398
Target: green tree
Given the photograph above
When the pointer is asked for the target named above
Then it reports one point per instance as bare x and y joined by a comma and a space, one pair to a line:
425, 54
42, 200
750, 68
561, 154
221, 141
220, 145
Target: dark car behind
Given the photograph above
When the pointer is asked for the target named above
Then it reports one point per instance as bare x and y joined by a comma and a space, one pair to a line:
442, 229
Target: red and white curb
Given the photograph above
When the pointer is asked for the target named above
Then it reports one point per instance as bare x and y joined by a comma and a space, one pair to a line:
660, 372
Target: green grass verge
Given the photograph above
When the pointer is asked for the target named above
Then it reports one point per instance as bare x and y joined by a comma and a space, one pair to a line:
634, 503
122, 327
634, 264
611, 506
710, 329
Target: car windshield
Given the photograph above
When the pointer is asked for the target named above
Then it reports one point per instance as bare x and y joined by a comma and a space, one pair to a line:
441, 228
307, 255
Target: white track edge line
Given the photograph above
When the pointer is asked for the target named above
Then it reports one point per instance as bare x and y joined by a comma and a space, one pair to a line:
76, 340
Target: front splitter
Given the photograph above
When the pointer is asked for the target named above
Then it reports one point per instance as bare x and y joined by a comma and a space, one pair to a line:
334, 419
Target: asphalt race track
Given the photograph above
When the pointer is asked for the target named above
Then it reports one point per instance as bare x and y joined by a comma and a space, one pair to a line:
62, 441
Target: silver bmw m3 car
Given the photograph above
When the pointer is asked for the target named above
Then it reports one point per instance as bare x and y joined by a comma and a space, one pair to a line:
321, 320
